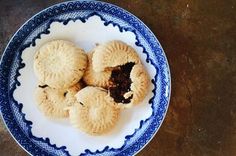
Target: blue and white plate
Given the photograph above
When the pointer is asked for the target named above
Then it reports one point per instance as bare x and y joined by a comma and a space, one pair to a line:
85, 23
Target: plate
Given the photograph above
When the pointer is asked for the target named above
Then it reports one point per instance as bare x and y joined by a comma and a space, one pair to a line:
85, 23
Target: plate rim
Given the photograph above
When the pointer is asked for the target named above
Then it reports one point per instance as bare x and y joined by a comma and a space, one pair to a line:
110, 4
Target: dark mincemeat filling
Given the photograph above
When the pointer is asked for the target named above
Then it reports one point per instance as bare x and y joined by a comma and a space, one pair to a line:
43, 86
120, 83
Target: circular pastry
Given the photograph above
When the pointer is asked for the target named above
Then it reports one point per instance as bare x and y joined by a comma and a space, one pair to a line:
60, 64
93, 78
129, 84
52, 102
94, 114
112, 54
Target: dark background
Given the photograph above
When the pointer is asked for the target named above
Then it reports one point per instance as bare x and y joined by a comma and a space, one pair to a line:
199, 39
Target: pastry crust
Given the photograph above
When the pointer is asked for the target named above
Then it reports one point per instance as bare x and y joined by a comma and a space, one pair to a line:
112, 54
140, 84
52, 102
60, 64
94, 114
92, 78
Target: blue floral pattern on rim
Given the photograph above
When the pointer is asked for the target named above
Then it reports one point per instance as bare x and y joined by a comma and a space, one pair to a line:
11, 110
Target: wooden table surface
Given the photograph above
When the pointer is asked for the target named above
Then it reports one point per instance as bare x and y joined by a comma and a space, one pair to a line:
199, 38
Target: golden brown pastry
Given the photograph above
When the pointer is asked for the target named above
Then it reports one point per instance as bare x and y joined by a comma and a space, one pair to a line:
94, 112
60, 64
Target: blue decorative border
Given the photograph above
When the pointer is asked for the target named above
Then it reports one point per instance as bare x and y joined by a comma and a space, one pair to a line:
8, 104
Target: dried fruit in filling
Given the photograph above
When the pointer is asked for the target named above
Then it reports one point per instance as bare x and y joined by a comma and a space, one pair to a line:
120, 82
